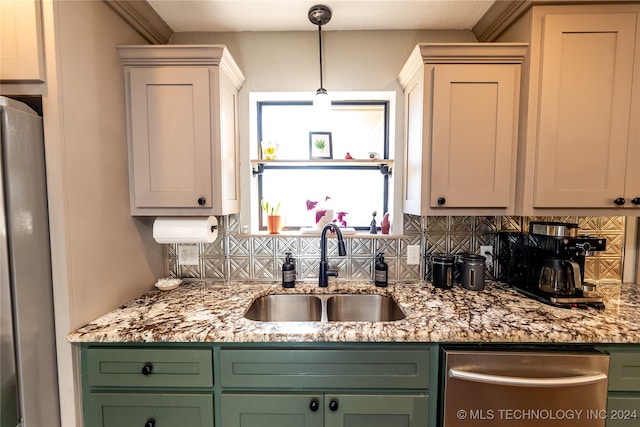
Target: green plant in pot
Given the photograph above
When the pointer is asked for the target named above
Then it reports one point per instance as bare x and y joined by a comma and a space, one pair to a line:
275, 222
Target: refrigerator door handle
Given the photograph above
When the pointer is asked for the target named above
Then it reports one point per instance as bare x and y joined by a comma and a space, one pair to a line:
527, 382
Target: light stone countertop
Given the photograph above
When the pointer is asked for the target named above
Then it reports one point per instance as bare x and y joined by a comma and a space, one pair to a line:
214, 312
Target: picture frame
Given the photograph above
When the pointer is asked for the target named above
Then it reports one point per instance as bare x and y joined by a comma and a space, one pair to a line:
320, 146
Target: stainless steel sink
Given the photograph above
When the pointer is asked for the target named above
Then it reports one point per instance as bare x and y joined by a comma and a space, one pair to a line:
285, 308
363, 308
323, 308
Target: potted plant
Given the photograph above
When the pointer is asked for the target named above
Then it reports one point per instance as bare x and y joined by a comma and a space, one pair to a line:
324, 215
275, 222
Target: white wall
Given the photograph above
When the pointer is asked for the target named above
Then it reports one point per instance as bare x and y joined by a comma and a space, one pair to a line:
288, 62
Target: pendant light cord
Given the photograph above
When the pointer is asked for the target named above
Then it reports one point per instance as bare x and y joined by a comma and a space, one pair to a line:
320, 50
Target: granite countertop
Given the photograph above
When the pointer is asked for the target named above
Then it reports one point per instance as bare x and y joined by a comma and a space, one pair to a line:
213, 312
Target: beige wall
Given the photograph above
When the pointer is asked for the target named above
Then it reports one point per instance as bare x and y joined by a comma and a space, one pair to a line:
112, 254
102, 257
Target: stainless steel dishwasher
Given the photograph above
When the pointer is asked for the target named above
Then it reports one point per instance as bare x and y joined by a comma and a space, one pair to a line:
524, 388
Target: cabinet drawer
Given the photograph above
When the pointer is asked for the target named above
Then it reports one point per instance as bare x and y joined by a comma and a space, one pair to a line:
123, 367
623, 411
624, 371
321, 369
135, 410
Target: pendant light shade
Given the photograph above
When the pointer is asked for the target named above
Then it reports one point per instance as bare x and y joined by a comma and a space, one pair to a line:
319, 15
322, 101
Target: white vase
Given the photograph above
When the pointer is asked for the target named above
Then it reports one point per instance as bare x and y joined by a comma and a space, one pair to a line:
324, 219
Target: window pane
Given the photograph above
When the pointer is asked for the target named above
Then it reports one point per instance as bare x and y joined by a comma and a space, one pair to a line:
357, 192
356, 128
288, 126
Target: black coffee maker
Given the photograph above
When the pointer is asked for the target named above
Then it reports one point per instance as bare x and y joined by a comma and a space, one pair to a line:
547, 264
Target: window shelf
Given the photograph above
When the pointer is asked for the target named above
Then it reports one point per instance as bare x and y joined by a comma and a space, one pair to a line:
385, 165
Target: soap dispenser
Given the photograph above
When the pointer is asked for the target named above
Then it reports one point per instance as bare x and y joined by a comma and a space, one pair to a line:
381, 274
288, 272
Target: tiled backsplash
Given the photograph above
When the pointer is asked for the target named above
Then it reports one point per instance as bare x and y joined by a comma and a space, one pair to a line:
237, 257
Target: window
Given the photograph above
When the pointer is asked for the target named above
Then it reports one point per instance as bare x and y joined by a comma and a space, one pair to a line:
356, 127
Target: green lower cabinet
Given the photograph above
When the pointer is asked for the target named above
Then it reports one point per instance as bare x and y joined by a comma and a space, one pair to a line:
623, 411
149, 410
330, 410
623, 401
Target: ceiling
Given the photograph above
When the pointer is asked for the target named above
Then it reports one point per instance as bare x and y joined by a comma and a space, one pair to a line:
291, 15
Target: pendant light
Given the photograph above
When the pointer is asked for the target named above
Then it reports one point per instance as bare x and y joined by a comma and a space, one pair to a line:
320, 15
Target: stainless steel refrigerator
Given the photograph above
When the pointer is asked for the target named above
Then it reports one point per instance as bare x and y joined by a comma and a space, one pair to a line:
28, 370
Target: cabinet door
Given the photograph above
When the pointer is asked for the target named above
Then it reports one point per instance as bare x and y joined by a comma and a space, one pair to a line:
21, 52
623, 411
170, 137
632, 187
135, 410
376, 410
474, 135
584, 109
282, 410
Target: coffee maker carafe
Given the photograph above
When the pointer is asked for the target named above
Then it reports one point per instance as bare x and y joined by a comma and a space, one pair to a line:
548, 263
560, 277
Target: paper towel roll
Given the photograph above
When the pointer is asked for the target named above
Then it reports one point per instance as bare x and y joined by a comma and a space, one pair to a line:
185, 229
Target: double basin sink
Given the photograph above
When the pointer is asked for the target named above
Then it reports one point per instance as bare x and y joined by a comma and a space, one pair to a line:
324, 308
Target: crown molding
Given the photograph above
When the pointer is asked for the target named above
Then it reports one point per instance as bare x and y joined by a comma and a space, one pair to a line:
498, 18
502, 14
144, 19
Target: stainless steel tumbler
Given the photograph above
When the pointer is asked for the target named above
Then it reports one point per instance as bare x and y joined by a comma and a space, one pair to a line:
472, 272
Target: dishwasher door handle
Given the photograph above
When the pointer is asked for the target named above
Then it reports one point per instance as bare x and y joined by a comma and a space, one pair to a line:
527, 382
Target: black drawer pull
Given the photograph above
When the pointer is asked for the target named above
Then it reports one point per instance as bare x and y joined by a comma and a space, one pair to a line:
202, 201
314, 405
150, 423
147, 369
636, 201
441, 201
620, 201
333, 405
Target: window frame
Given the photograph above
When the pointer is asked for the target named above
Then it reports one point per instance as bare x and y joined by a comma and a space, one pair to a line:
385, 103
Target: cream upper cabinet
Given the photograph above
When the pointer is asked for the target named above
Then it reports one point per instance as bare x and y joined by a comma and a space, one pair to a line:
21, 51
587, 140
182, 117
461, 128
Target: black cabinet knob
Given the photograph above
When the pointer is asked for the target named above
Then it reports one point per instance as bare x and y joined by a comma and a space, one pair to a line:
202, 201
333, 405
147, 369
150, 423
620, 201
636, 201
314, 405
441, 201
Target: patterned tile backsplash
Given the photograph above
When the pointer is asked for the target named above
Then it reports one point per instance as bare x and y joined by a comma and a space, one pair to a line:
237, 257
